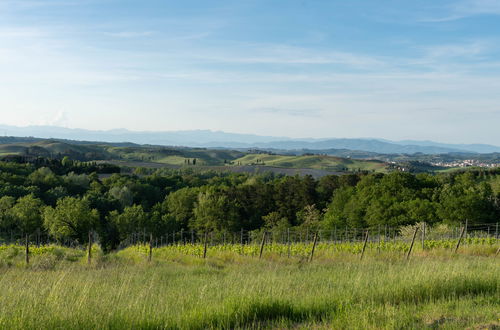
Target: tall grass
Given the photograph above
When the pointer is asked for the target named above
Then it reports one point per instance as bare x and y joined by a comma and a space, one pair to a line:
228, 290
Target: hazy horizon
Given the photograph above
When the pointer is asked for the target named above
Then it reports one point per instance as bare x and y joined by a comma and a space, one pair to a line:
360, 69
223, 134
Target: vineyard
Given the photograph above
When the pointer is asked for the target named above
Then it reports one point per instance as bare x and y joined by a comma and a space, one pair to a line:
417, 240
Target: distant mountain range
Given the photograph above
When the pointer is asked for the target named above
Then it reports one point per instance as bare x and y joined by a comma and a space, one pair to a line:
217, 139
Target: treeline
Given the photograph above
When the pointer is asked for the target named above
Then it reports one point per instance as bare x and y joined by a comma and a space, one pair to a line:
67, 199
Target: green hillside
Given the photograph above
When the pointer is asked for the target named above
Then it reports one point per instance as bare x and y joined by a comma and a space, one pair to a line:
174, 156
312, 161
52, 148
184, 156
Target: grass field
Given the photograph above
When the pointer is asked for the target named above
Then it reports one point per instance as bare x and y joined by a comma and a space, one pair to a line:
227, 290
315, 161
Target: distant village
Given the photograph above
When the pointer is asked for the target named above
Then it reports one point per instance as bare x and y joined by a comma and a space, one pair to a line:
468, 163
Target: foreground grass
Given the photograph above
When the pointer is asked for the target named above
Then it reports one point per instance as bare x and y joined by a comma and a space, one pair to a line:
232, 291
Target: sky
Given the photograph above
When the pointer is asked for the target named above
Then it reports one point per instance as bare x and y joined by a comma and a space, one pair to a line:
425, 70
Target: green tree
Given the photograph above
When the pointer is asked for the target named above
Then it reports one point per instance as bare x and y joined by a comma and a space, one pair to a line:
6, 204
71, 218
214, 211
327, 185
66, 162
275, 220
122, 194
133, 219
309, 217
44, 178
27, 214
179, 207
336, 213
466, 201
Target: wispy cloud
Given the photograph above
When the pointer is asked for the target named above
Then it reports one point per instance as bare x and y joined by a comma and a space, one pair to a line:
472, 49
285, 54
289, 112
33, 4
60, 118
22, 32
467, 8
129, 34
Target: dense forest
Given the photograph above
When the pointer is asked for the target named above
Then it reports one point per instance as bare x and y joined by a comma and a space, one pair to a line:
66, 199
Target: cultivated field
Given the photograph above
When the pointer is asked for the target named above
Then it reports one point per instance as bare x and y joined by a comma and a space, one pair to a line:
313, 161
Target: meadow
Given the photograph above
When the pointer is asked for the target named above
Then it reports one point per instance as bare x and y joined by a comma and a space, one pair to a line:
312, 161
235, 289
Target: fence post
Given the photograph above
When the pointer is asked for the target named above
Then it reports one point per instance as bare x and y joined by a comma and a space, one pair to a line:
262, 244
288, 241
423, 235
89, 254
27, 250
496, 231
466, 232
150, 256
412, 242
364, 245
378, 239
205, 246
314, 246
241, 242
460, 239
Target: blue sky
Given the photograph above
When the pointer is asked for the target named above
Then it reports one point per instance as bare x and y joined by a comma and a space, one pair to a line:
386, 69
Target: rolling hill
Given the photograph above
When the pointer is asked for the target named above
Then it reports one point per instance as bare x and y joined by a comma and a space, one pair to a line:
322, 162
218, 159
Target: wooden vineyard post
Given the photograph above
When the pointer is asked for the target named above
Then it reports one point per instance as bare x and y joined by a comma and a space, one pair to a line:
205, 246
423, 236
378, 238
288, 243
411, 245
262, 244
364, 245
89, 253
150, 256
314, 246
27, 249
466, 230
459, 239
241, 242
